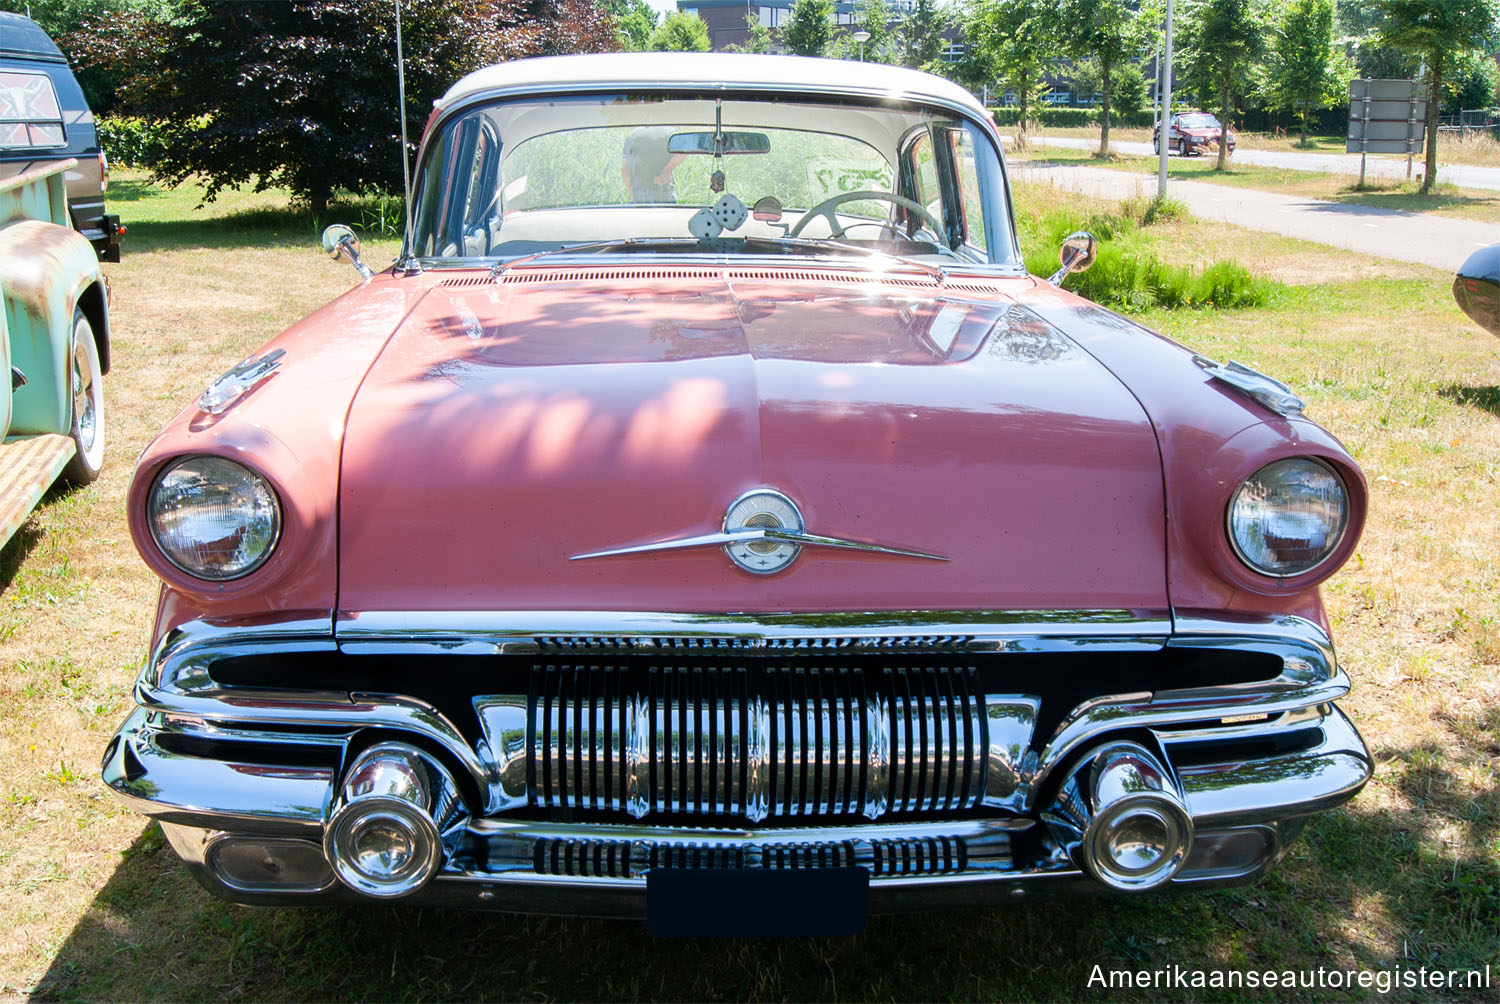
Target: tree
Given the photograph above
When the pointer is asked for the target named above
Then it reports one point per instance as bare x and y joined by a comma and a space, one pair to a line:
1222, 46
1471, 83
1127, 87
680, 32
634, 23
758, 39
303, 94
1358, 22
921, 34
60, 19
810, 28
1110, 31
1440, 32
874, 17
1014, 42
1307, 69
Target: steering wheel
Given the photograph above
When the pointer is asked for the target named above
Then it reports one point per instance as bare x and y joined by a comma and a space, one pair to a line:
835, 230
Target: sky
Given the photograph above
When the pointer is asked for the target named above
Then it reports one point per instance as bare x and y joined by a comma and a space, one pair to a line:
663, 6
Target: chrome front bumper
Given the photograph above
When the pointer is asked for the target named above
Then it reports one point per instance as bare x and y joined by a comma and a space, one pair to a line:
233, 772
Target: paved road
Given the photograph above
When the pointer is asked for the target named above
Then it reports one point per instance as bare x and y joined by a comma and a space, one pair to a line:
1388, 233
1462, 175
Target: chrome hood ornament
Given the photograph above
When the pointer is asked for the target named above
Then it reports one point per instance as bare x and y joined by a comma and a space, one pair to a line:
763, 532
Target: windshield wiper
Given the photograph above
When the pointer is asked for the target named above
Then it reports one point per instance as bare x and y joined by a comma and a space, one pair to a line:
618, 242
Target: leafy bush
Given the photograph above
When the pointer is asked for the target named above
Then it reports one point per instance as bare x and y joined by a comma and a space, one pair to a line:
130, 142
1128, 276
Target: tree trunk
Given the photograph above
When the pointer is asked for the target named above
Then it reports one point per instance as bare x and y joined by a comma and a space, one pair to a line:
1223, 163
1434, 100
1103, 108
1023, 89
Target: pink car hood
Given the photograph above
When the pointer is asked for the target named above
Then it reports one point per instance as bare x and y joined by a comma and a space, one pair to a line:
508, 427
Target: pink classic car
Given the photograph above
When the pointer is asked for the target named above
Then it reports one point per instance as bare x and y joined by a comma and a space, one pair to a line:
707, 518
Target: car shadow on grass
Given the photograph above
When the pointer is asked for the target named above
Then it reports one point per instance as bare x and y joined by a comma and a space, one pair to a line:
13, 555
1402, 877
25, 540
271, 227
1483, 398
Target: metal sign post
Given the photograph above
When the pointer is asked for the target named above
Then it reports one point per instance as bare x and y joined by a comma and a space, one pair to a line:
1165, 90
1385, 116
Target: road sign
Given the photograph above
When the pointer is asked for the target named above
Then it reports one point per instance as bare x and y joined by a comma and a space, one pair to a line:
1387, 116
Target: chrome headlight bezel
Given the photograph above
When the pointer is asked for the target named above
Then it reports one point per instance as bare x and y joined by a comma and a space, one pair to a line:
1335, 538
257, 481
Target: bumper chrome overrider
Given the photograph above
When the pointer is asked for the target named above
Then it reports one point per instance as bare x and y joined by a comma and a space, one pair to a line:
1187, 786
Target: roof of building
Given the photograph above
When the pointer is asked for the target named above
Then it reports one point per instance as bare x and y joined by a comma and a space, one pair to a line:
708, 71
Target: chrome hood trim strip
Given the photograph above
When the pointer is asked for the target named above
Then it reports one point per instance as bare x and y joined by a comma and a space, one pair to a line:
527, 632
748, 535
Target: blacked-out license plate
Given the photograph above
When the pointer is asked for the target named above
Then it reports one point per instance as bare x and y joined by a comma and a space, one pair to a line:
706, 903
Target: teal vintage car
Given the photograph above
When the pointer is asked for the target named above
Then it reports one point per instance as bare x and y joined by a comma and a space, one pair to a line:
54, 344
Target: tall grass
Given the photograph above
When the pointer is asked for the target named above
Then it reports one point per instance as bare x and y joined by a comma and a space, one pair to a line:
1128, 275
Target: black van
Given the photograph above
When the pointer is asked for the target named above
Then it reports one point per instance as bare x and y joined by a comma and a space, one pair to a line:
43, 117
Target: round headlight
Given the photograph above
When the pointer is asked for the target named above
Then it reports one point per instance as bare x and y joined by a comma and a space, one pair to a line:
1289, 516
214, 518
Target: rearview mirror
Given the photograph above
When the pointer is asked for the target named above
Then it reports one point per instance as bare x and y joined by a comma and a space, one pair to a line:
727, 142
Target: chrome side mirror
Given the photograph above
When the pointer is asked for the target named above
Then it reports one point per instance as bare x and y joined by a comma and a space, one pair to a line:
339, 241
1079, 249
1476, 287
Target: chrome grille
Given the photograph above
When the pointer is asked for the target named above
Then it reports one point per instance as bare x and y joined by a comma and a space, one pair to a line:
647, 644
780, 743
606, 858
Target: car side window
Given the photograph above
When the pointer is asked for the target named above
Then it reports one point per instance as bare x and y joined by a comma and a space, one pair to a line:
921, 179
30, 115
971, 202
460, 204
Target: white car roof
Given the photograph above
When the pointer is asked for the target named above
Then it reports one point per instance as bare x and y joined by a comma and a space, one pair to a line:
693, 70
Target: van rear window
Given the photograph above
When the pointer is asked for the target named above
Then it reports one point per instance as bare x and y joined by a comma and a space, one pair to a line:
30, 116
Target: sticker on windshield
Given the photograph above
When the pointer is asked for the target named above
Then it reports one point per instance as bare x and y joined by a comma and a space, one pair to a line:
827, 178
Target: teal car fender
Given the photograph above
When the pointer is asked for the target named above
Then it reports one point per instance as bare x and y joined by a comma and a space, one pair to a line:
47, 271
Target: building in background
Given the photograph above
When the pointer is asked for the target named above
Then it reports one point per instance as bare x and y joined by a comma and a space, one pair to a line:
727, 20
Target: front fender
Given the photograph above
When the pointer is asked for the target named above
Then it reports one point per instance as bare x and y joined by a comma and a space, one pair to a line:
45, 271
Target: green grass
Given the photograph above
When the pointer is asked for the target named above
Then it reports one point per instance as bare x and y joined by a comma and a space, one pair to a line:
1406, 874
1129, 273
161, 218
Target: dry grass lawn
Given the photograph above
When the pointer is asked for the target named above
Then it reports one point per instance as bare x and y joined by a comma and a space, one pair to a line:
1408, 874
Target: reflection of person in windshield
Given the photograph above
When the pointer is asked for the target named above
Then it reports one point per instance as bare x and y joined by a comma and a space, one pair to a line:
648, 167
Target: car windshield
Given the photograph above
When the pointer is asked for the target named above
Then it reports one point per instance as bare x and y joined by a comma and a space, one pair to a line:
682, 174
1200, 121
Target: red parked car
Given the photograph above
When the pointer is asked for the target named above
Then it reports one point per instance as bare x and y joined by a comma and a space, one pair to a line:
708, 518
1195, 132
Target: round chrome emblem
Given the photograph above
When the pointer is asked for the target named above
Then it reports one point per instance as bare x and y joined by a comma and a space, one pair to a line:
762, 509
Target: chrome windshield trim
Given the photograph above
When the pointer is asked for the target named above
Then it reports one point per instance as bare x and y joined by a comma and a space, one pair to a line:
717, 88
959, 270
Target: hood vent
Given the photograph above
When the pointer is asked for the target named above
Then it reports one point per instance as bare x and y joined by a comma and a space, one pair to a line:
525, 275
